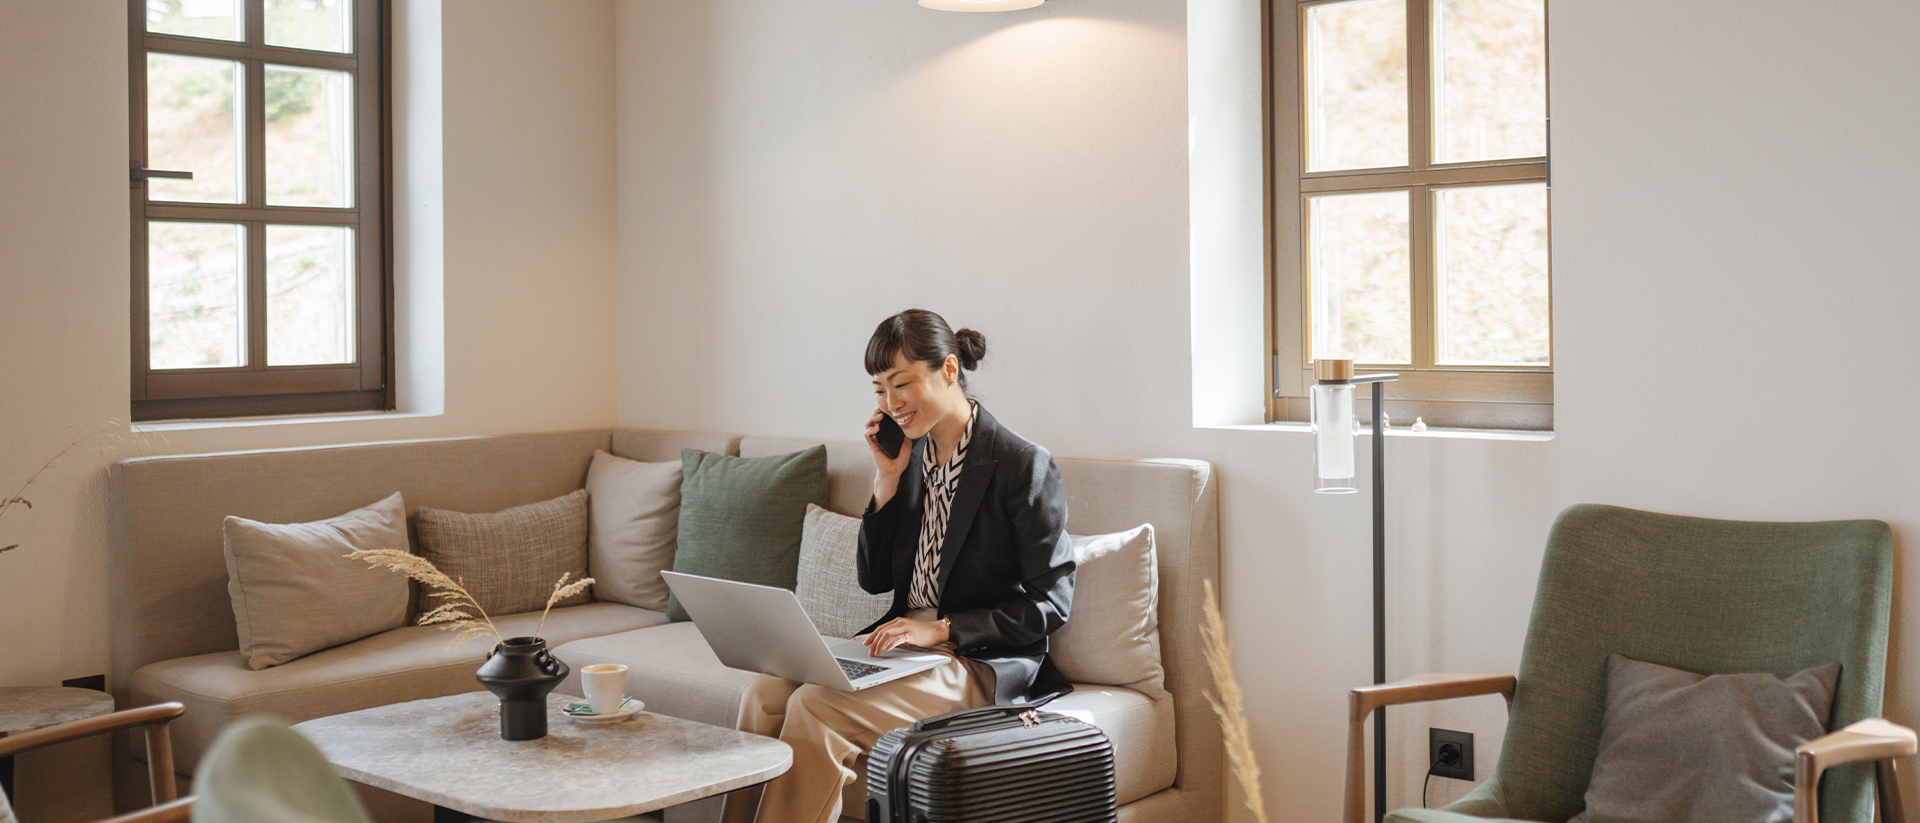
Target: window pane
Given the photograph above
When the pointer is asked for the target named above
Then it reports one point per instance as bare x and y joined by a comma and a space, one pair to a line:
1356, 84
310, 24
217, 19
1359, 277
309, 295
1492, 261
1490, 79
196, 287
309, 137
193, 124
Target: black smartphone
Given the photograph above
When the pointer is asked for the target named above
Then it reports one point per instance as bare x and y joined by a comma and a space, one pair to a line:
891, 438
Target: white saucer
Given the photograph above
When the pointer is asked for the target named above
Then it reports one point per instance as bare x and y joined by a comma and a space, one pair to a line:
626, 710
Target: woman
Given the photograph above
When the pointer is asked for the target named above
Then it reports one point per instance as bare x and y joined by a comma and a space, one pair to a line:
967, 528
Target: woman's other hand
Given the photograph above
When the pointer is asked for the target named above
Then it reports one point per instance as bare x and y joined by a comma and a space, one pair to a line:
904, 630
887, 470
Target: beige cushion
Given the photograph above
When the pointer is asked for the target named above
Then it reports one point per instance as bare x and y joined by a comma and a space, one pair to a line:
633, 513
294, 590
408, 663
1112, 637
829, 584
510, 560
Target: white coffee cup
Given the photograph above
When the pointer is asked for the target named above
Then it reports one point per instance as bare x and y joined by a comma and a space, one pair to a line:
605, 685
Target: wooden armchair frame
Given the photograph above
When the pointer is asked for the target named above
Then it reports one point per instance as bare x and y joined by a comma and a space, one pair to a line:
168, 806
1873, 740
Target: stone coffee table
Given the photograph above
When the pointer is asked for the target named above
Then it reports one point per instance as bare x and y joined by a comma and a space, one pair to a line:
448, 752
25, 708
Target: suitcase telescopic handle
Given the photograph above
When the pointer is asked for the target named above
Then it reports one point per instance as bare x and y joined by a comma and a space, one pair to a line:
972, 717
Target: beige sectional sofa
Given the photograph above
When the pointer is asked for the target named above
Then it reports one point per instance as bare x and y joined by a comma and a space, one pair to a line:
174, 637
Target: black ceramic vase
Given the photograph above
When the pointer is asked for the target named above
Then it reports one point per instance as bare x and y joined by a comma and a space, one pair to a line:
520, 671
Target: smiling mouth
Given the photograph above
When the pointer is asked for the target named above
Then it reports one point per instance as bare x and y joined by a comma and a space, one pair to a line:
903, 419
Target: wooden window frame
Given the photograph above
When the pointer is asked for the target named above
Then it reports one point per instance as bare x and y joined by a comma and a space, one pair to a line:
256, 389
1477, 396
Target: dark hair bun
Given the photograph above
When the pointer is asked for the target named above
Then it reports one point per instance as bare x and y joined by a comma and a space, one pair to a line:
971, 348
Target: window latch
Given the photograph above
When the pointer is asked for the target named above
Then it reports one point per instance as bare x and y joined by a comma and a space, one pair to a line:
137, 173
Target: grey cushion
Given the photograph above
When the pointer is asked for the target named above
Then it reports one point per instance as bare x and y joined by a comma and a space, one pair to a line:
294, 590
1676, 745
408, 663
828, 584
740, 517
1112, 637
510, 560
633, 517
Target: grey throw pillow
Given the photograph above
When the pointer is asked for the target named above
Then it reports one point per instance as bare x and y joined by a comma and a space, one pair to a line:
1675, 745
828, 583
633, 517
740, 517
510, 560
1112, 637
294, 590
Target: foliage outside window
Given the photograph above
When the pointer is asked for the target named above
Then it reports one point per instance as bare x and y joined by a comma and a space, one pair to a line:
260, 282
1410, 205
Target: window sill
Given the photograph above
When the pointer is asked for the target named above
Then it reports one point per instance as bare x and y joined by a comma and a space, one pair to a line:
1402, 431
256, 422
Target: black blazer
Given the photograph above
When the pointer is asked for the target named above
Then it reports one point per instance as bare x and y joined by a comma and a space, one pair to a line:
1006, 568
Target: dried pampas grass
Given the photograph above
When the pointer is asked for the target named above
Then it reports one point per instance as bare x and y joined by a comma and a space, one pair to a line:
1227, 704
561, 591
458, 611
101, 439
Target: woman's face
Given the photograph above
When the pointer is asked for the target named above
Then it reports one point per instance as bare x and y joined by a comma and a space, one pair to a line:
918, 396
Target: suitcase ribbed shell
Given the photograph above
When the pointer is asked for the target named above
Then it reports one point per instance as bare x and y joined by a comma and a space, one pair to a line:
992, 765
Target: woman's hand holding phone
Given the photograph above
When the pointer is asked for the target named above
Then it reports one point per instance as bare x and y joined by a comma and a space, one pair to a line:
890, 455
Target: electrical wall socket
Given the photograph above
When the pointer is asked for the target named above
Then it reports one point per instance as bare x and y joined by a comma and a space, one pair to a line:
1450, 753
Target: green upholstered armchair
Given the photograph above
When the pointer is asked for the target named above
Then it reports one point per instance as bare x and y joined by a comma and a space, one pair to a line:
1707, 596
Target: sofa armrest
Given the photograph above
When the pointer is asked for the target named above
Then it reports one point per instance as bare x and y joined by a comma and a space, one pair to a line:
1420, 688
1874, 739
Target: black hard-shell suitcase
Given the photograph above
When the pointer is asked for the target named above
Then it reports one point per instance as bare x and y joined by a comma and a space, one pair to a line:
998, 764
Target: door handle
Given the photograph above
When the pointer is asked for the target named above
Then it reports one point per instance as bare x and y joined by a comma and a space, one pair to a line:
137, 173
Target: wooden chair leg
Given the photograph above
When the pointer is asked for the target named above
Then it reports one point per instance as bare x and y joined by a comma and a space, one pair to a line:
1893, 807
160, 764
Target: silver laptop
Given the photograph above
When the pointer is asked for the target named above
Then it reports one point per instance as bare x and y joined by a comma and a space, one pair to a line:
764, 629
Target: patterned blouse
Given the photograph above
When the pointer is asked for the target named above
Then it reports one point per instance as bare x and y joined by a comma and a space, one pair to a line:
941, 483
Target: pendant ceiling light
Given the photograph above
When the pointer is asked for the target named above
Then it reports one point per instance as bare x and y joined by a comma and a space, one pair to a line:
980, 5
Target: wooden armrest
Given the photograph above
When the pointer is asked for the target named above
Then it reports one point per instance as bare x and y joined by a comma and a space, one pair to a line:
1419, 688
159, 741
1422, 688
1873, 739
178, 811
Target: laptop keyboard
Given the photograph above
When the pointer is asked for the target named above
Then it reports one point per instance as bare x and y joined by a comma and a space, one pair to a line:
856, 670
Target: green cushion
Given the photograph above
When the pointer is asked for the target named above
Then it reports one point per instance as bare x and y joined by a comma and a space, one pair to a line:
741, 517
259, 769
1675, 745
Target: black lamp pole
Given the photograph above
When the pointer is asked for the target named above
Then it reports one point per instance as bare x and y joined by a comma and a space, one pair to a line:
1379, 586
1334, 377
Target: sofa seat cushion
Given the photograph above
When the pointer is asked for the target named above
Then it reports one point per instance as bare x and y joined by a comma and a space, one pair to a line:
408, 663
1141, 728
670, 667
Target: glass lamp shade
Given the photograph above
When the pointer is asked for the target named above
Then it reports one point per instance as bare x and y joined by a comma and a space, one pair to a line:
980, 5
1334, 431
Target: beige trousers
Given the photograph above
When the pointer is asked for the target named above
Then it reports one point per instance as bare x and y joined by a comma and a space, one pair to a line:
830, 729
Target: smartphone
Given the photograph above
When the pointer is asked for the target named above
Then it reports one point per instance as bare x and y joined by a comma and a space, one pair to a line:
891, 438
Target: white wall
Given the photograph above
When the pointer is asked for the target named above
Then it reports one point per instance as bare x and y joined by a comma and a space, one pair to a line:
527, 294
1730, 188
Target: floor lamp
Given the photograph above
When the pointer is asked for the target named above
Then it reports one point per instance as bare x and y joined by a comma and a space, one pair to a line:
1334, 430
